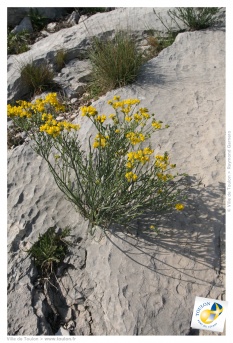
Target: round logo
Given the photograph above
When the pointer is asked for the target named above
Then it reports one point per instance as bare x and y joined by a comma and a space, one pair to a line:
208, 316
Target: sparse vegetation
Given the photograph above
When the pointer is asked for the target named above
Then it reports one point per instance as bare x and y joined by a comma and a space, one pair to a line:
50, 250
37, 78
195, 18
115, 62
37, 19
13, 137
157, 43
17, 43
60, 59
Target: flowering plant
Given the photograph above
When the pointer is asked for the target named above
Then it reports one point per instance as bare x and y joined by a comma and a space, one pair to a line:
119, 177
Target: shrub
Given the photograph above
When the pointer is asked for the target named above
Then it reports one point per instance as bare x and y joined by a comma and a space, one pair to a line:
196, 18
17, 43
37, 19
37, 78
115, 62
117, 179
50, 250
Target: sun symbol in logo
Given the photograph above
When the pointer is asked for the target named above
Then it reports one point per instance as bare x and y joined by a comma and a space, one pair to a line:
208, 316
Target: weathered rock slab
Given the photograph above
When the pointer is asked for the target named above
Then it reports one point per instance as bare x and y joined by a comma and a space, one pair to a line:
127, 285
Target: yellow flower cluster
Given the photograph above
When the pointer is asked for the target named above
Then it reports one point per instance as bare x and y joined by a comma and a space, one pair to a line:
162, 162
135, 137
130, 176
164, 177
18, 111
141, 115
88, 111
52, 100
27, 109
54, 128
100, 141
141, 156
124, 105
156, 124
101, 118
51, 128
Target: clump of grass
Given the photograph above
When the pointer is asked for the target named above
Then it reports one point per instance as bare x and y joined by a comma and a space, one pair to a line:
49, 250
37, 78
195, 18
60, 59
115, 62
17, 43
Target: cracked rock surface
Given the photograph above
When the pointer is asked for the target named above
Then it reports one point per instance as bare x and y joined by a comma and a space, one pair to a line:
125, 284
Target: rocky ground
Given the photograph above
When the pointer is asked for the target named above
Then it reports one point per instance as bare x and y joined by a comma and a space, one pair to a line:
126, 284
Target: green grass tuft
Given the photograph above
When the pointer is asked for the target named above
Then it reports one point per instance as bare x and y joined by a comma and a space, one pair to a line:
50, 249
37, 78
115, 62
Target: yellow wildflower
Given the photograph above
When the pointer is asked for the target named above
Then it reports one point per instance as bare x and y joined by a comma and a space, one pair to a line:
130, 176
156, 125
89, 111
100, 118
179, 207
137, 117
100, 141
129, 165
135, 137
128, 118
112, 116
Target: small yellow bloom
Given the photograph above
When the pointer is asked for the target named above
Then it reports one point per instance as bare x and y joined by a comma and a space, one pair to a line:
137, 117
100, 141
112, 116
130, 176
152, 227
117, 131
134, 177
101, 118
156, 125
179, 207
89, 111
128, 118
96, 144
129, 165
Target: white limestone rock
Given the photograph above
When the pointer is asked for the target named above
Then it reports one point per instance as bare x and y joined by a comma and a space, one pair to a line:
25, 25
129, 285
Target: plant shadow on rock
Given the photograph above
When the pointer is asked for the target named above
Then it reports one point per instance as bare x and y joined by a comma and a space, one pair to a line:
198, 233
150, 74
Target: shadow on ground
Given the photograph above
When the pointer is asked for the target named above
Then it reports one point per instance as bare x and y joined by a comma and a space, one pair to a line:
197, 233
